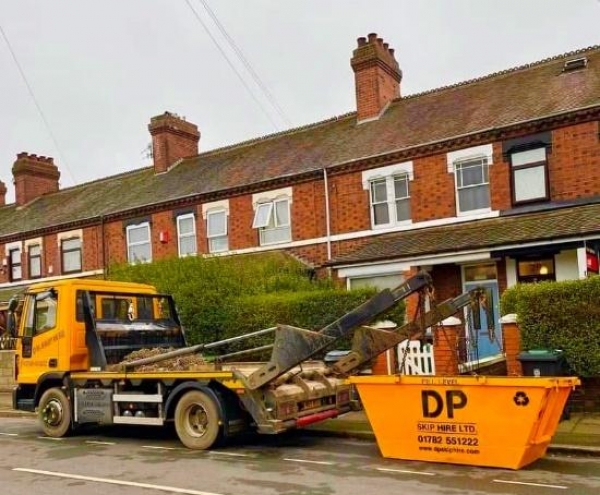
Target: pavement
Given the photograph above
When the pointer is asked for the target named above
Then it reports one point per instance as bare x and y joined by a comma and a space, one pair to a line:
578, 435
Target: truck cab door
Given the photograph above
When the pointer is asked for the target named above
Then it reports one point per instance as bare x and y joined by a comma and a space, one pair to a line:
42, 341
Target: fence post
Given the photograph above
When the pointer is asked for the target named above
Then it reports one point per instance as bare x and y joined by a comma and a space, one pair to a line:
385, 363
445, 346
512, 344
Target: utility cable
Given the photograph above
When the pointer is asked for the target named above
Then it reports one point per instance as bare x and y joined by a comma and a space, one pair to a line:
205, 27
242, 57
63, 162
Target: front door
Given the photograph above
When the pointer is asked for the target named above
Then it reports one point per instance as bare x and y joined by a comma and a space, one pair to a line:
484, 340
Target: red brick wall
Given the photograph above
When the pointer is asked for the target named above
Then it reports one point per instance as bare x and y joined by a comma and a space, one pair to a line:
432, 193
349, 204
164, 222
308, 211
241, 215
574, 162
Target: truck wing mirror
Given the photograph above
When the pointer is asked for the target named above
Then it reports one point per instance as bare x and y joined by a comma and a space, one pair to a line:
11, 316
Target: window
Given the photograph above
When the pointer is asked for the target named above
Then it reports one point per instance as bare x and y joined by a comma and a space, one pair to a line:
529, 170
14, 256
216, 231
273, 221
41, 313
472, 185
186, 234
35, 261
535, 270
71, 255
390, 200
139, 248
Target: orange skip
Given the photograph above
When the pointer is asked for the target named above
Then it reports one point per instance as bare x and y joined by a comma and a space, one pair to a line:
500, 422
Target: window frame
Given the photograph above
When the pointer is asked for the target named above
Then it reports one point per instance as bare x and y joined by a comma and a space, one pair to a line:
73, 250
12, 264
270, 222
180, 236
390, 200
213, 238
128, 230
536, 164
31, 258
459, 164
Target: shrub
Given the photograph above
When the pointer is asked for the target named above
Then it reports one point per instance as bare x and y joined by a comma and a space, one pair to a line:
224, 297
560, 315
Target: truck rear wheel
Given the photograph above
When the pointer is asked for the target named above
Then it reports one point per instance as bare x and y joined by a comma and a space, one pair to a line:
197, 420
55, 413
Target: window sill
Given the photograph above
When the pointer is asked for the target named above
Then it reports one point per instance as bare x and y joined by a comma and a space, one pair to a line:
384, 226
474, 213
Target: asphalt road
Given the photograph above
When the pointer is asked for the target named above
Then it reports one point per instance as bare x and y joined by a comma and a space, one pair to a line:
141, 461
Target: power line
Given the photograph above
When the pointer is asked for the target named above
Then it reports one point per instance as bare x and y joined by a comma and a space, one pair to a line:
242, 57
205, 27
36, 103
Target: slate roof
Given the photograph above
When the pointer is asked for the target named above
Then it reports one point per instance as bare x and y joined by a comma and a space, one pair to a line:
560, 224
529, 92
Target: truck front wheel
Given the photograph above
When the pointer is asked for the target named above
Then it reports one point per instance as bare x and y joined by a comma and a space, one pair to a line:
55, 413
197, 420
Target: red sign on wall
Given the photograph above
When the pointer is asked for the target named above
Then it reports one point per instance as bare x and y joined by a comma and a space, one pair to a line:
592, 262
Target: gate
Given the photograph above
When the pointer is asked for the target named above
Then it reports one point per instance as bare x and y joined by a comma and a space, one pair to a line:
415, 358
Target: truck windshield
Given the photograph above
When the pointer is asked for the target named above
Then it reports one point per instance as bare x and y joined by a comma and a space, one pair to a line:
129, 309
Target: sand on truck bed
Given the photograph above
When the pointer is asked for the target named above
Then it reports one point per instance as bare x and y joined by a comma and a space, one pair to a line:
190, 362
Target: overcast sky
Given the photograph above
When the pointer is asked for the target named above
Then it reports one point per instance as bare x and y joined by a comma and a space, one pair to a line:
100, 69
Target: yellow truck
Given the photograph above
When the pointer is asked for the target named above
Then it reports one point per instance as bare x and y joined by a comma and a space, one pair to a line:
72, 336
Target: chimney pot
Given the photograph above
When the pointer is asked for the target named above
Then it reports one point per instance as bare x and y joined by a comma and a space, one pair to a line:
173, 138
377, 77
362, 41
33, 177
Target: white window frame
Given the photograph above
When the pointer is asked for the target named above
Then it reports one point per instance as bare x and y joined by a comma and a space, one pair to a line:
267, 223
458, 167
187, 235
131, 245
458, 158
390, 200
390, 173
216, 238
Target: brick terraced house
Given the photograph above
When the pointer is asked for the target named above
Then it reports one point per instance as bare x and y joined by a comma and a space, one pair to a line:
491, 181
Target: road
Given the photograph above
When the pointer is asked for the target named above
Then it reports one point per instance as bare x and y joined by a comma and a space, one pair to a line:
142, 461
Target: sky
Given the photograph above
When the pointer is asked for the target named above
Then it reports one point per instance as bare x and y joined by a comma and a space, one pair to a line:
80, 79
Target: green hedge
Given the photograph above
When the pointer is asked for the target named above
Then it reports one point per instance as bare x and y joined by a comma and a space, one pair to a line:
560, 315
224, 297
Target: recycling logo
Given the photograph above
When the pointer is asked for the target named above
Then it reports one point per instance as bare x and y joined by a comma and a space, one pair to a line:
521, 399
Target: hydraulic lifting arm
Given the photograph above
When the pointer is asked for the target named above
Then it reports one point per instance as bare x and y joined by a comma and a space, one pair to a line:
295, 345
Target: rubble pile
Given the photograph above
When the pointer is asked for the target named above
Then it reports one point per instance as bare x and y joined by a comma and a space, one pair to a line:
190, 362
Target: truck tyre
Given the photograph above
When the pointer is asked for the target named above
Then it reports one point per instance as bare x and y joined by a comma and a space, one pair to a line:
54, 413
197, 420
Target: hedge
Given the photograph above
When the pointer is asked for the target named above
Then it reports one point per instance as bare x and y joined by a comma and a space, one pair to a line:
225, 297
560, 315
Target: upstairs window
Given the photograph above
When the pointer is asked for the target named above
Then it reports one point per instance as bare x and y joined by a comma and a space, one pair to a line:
472, 185
139, 246
35, 261
186, 234
272, 219
390, 200
14, 258
529, 175
71, 255
216, 231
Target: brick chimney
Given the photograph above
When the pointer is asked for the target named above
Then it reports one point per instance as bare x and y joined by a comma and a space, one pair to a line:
2, 193
377, 76
34, 176
172, 139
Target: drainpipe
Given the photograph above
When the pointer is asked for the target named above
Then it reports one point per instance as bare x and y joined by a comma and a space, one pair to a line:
327, 217
104, 271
